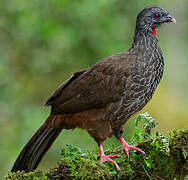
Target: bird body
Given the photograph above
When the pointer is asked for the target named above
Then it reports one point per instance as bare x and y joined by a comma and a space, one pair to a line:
119, 85
103, 97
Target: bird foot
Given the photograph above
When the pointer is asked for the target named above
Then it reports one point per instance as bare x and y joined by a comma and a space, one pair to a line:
127, 147
105, 158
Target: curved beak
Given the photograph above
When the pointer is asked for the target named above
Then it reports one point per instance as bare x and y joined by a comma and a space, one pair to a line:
173, 20
168, 18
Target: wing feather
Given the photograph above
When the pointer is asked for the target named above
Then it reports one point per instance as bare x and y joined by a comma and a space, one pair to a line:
97, 86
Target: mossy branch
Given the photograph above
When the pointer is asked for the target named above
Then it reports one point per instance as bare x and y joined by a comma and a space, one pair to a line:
166, 158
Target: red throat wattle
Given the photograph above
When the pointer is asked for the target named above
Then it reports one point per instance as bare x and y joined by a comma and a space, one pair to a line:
154, 31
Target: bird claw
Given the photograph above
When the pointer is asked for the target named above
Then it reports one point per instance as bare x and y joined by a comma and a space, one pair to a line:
127, 147
105, 158
111, 156
114, 156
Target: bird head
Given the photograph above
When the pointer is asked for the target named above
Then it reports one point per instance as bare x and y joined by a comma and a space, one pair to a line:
152, 17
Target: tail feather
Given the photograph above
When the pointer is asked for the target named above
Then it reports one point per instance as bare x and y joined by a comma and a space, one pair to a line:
35, 148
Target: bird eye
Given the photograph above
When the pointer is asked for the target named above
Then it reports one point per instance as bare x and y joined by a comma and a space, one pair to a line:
156, 16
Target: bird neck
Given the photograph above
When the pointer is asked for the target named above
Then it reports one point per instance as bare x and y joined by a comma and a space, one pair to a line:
145, 39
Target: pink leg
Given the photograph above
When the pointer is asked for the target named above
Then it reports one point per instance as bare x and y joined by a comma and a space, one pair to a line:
127, 147
104, 158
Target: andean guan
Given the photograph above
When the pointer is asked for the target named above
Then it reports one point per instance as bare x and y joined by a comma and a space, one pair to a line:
101, 98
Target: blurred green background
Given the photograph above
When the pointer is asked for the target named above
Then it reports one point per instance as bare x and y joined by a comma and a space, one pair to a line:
43, 42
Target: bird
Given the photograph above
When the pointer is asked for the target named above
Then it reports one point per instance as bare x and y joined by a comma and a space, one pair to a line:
101, 98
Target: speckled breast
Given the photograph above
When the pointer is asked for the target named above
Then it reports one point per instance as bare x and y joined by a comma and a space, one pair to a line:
139, 88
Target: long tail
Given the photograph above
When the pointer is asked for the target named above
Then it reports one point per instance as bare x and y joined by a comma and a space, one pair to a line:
36, 148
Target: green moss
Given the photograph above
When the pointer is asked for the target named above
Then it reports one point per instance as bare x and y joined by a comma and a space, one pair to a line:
21, 175
166, 158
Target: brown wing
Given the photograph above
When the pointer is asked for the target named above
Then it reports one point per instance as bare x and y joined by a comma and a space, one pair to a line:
52, 98
95, 87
